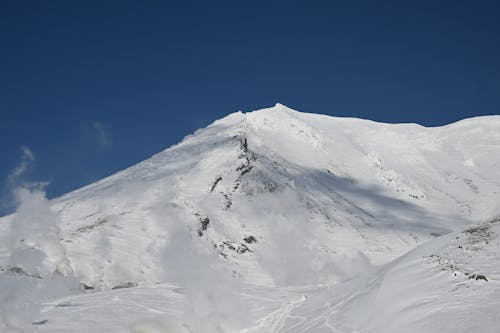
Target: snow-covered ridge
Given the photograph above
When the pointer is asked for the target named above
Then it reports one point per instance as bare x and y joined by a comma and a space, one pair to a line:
276, 198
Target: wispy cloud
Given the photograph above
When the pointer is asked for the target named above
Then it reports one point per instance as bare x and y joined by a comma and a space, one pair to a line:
102, 134
27, 159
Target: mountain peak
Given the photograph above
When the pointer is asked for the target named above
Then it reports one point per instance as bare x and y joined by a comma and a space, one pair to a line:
278, 111
270, 198
278, 107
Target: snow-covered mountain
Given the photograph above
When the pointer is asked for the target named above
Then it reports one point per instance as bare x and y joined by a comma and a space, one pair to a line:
272, 221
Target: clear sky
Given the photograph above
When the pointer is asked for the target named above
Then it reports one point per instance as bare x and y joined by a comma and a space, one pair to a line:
91, 87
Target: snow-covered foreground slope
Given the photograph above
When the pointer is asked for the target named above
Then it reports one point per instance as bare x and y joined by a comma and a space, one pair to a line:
451, 284
268, 221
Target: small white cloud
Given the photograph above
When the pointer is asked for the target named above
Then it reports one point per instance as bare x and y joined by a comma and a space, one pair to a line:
103, 137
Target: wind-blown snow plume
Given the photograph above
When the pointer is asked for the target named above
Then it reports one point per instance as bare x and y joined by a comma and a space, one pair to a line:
34, 238
37, 265
213, 299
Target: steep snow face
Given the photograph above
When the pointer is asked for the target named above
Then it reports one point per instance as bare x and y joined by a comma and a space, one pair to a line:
284, 197
271, 198
450, 284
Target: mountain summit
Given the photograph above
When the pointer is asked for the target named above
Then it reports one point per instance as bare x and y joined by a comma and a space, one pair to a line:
316, 212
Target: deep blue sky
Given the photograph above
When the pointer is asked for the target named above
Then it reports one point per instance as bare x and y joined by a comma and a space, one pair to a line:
92, 87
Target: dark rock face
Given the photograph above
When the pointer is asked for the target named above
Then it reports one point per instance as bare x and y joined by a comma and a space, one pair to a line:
478, 277
250, 239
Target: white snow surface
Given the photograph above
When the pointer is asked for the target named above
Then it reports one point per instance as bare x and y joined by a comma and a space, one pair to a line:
270, 221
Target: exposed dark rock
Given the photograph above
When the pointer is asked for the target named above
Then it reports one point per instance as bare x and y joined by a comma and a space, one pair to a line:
65, 305
100, 221
86, 287
244, 145
236, 185
250, 239
15, 270
478, 277
229, 200
125, 285
204, 223
214, 185
246, 170
237, 247
247, 156
481, 233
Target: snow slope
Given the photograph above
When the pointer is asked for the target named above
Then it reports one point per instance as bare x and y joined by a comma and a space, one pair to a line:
451, 284
273, 221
